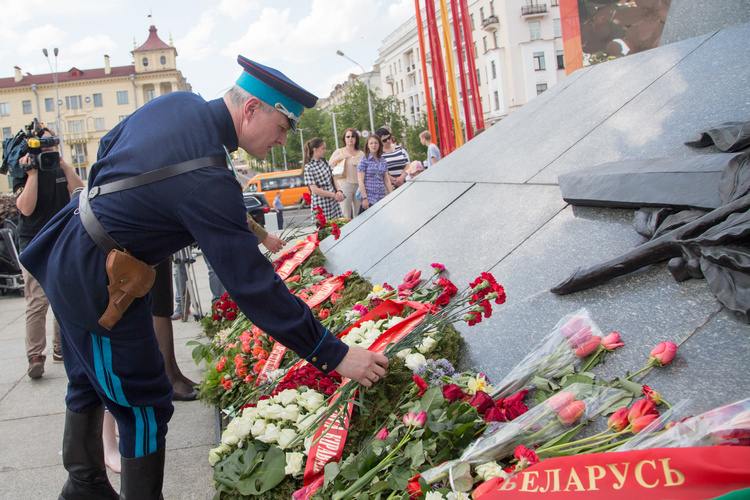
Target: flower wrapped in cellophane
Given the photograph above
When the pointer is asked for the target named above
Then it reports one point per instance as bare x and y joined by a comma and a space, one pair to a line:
573, 338
559, 414
727, 425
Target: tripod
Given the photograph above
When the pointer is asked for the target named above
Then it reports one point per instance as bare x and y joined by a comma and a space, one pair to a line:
188, 288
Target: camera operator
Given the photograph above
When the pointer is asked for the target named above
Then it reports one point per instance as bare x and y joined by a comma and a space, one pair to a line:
40, 194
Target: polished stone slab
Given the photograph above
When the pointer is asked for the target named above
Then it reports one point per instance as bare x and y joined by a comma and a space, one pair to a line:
689, 18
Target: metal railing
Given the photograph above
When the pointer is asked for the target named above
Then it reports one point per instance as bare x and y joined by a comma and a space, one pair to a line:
527, 10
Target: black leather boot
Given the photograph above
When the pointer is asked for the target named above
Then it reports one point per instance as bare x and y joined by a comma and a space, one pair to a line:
83, 458
142, 477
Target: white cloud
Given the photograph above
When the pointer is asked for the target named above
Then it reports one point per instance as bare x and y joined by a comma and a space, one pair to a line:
237, 8
199, 43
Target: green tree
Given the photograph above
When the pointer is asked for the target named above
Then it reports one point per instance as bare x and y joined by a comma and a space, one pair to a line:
416, 150
355, 113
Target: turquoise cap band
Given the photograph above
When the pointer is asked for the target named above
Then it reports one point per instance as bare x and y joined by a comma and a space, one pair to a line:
268, 94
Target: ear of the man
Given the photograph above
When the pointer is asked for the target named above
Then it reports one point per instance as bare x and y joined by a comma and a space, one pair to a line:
251, 106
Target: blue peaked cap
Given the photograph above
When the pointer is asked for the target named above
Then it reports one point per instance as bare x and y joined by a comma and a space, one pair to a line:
273, 87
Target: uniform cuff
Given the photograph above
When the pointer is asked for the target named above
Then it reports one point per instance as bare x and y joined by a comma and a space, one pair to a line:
328, 354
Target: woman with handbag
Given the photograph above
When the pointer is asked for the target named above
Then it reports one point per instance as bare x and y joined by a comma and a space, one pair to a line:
345, 161
324, 189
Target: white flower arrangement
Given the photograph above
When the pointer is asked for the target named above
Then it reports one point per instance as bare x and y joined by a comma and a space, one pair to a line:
277, 420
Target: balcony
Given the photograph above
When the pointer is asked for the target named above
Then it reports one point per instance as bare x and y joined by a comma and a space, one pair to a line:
76, 138
389, 79
491, 23
534, 10
79, 160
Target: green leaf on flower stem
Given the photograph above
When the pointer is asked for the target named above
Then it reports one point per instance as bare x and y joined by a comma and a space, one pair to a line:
379, 486
461, 475
540, 397
463, 429
632, 387
377, 445
624, 401
543, 384
576, 379
415, 451
568, 370
432, 399
330, 471
561, 439
399, 478
268, 476
435, 427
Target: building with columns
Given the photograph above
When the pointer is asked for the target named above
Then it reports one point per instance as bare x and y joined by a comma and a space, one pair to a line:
91, 101
518, 52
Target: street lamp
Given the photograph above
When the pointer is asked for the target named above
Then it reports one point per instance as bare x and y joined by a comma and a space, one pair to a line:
57, 98
335, 132
369, 102
302, 144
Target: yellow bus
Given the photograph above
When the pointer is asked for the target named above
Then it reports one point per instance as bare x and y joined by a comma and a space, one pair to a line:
290, 181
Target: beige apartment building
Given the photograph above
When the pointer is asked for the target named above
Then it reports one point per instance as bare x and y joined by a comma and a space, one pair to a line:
518, 51
90, 101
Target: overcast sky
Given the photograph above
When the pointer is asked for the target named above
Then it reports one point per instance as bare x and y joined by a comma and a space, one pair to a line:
299, 37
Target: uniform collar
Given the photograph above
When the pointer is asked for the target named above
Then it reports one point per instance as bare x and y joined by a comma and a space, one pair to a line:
226, 124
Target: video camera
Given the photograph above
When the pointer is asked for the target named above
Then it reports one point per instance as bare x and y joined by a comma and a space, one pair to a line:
29, 141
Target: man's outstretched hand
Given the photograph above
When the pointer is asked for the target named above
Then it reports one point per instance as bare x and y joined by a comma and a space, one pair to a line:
363, 366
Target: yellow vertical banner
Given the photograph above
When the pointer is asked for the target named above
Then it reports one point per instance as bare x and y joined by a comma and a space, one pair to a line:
451, 74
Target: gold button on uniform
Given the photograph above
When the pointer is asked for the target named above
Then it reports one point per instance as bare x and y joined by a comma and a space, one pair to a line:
314, 360
325, 366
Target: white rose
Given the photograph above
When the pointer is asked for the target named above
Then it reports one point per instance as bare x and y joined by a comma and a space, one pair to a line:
291, 412
308, 442
434, 495
258, 427
427, 344
217, 454
272, 412
285, 437
242, 427
457, 495
393, 322
288, 396
293, 463
313, 401
414, 361
403, 353
489, 470
228, 437
263, 403
250, 413
304, 422
271, 435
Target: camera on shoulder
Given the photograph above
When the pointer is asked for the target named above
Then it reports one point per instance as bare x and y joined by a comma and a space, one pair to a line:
29, 141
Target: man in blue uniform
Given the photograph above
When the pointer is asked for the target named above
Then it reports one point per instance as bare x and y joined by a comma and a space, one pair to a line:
120, 366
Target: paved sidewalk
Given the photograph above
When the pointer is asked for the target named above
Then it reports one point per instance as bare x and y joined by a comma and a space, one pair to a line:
32, 415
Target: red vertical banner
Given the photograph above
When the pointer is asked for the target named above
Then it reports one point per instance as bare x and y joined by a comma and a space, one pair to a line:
476, 99
425, 78
447, 142
460, 40
571, 30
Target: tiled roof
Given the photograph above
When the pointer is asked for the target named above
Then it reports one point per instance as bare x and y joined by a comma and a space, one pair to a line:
72, 75
153, 42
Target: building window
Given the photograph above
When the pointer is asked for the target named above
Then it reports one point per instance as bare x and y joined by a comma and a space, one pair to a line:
560, 59
399, 65
558, 28
494, 70
4, 109
484, 39
26, 107
7, 133
49, 104
492, 7
122, 97
75, 126
150, 95
479, 80
98, 102
402, 89
163, 60
540, 87
539, 61
73, 102
497, 100
100, 124
52, 126
471, 16
494, 38
145, 61
535, 30
481, 13
476, 52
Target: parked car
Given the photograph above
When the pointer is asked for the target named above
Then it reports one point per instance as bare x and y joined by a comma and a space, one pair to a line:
257, 206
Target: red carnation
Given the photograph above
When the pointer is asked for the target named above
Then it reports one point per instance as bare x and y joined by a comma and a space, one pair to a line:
420, 383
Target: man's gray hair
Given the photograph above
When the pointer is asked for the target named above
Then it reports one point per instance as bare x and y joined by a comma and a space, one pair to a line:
239, 96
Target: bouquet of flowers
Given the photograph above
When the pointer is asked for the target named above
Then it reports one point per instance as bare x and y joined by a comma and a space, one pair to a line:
573, 338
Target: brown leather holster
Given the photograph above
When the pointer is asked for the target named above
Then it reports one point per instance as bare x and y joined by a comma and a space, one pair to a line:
128, 278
